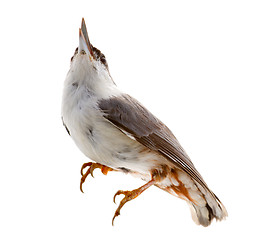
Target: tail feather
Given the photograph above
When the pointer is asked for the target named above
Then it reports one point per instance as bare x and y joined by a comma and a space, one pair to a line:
203, 215
204, 204
205, 210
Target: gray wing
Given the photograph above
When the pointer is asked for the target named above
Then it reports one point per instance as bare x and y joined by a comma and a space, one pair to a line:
127, 114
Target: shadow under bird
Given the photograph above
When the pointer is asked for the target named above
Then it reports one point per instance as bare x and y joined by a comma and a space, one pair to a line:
117, 133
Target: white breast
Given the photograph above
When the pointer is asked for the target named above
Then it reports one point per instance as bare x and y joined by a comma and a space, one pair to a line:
96, 137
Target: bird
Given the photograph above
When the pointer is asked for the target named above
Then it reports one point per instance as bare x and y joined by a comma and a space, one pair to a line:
117, 133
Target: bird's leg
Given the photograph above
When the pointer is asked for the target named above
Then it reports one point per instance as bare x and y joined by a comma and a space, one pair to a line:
129, 195
92, 166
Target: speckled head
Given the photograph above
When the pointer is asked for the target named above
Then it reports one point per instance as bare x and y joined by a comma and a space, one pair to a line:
85, 47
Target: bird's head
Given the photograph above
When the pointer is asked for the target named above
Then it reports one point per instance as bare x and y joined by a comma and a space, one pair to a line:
89, 69
86, 52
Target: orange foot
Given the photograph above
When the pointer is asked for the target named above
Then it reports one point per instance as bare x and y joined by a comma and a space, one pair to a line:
92, 166
129, 195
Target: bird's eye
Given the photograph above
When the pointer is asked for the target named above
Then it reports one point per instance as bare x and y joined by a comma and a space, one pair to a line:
75, 52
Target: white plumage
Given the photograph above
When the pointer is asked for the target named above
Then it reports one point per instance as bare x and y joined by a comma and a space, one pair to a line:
116, 131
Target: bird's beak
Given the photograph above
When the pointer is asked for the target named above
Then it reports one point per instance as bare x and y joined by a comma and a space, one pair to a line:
84, 44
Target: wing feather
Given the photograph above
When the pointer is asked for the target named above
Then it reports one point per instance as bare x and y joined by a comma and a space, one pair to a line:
127, 114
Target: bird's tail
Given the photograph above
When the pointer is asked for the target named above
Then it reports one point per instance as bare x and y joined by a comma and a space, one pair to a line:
204, 204
204, 214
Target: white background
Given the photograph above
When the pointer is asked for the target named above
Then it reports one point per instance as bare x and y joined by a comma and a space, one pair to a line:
205, 68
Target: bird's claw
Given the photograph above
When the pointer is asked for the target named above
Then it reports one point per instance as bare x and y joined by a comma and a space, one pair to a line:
92, 166
119, 193
129, 195
84, 166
